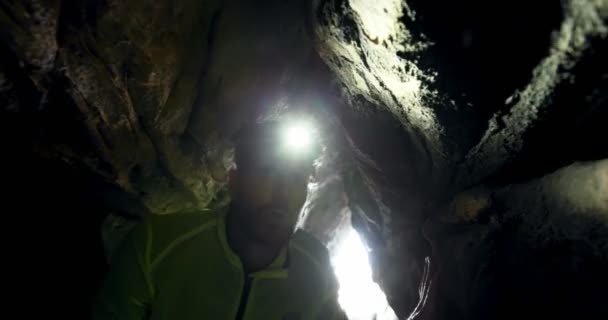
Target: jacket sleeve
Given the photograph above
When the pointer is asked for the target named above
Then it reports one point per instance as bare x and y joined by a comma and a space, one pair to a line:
330, 309
127, 290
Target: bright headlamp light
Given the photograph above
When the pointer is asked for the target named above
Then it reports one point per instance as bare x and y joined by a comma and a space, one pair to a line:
298, 137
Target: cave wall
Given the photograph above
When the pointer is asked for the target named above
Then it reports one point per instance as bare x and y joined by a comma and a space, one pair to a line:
151, 90
467, 135
485, 99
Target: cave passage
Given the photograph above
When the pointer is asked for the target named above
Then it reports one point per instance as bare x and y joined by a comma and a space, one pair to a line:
360, 297
443, 160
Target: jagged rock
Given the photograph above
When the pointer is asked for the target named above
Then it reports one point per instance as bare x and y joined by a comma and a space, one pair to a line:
446, 127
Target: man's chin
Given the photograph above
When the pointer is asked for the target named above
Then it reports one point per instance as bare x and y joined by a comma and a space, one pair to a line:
272, 235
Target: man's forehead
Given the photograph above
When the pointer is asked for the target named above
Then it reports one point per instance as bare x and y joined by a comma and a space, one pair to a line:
269, 153
265, 144
258, 134
259, 143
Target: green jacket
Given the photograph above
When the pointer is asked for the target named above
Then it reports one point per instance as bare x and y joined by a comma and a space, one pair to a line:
180, 267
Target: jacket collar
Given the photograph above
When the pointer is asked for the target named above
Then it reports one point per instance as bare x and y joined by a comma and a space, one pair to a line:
276, 269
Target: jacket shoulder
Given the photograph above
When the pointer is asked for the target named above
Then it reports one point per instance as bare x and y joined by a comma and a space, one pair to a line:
161, 234
308, 248
305, 241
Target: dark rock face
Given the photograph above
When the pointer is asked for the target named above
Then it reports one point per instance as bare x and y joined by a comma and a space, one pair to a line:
470, 132
487, 98
524, 250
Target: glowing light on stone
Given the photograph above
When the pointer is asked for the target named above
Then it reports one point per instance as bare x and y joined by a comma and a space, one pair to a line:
359, 296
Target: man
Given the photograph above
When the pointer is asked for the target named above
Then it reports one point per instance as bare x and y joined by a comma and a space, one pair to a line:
243, 261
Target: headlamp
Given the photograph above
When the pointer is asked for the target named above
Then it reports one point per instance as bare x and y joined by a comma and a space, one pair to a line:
298, 137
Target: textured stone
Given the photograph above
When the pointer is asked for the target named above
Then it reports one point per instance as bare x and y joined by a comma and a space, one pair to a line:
466, 134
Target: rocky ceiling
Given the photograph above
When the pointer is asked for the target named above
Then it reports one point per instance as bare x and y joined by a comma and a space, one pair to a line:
471, 132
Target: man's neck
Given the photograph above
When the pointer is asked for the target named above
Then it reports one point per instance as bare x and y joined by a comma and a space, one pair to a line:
255, 255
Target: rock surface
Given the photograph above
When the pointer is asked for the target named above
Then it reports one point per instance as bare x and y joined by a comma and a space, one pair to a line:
468, 132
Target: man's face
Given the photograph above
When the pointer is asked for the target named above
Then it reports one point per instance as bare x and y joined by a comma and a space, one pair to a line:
269, 192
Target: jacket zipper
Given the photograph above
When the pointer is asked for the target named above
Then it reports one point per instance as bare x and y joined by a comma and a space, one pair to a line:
244, 297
